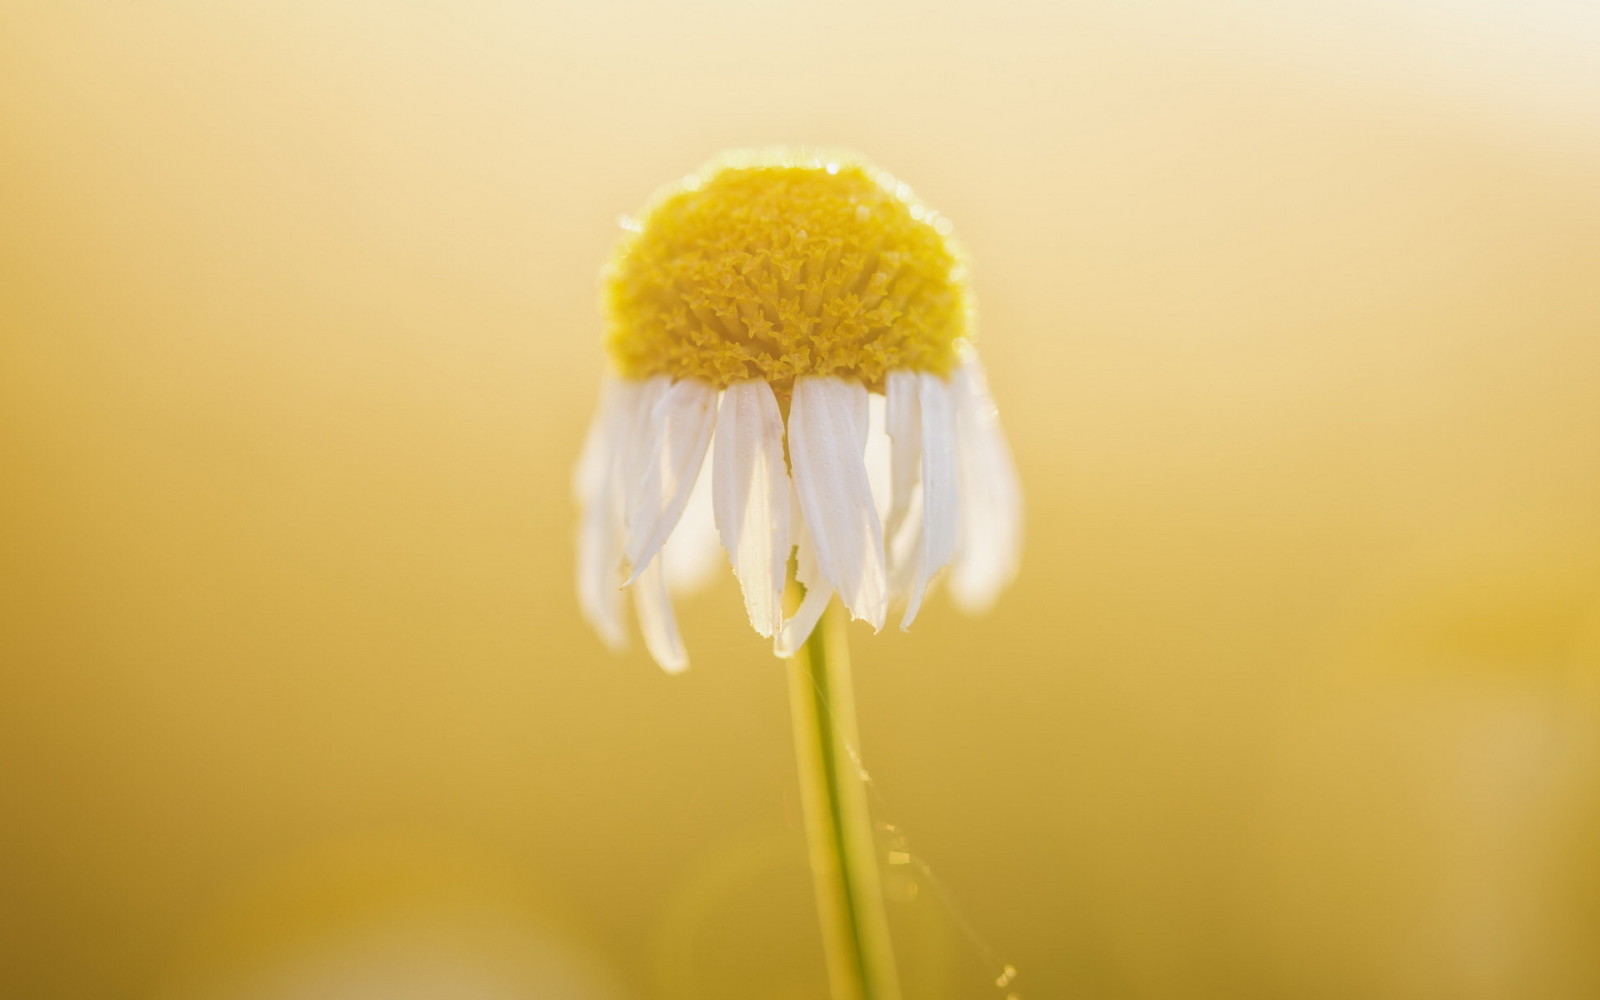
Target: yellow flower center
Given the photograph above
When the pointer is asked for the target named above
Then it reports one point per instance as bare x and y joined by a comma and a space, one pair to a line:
786, 266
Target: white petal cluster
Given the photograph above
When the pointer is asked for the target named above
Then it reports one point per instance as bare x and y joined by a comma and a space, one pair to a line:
877, 495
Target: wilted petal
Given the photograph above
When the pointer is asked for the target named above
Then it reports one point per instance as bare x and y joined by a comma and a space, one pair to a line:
827, 436
680, 429
875, 454
902, 420
639, 442
594, 461
798, 628
751, 498
935, 543
657, 622
598, 484
691, 553
990, 532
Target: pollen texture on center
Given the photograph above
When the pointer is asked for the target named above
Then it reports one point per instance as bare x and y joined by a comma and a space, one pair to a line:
777, 270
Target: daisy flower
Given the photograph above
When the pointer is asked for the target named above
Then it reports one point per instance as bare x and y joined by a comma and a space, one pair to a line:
792, 374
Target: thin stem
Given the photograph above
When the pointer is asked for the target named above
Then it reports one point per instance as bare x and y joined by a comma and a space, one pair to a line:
844, 862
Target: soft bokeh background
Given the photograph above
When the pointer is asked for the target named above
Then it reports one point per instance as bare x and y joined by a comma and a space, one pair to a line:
1293, 311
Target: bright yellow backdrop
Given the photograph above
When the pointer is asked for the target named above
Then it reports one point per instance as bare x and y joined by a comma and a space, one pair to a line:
1293, 311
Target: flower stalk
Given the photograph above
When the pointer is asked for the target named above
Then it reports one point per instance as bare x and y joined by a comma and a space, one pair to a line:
844, 862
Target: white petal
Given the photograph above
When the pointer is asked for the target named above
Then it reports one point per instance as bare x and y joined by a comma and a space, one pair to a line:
639, 438
903, 420
656, 620
798, 628
692, 554
936, 541
680, 429
593, 467
904, 550
599, 484
990, 534
827, 437
876, 456
751, 498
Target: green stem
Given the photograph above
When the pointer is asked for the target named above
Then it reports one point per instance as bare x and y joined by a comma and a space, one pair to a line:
844, 863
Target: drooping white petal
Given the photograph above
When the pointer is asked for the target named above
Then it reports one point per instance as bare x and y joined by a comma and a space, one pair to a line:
903, 419
827, 437
990, 534
876, 457
935, 543
657, 622
798, 628
903, 550
638, 443
902, 529
593, 468
691, 553
598, 483
751, 498
680, 430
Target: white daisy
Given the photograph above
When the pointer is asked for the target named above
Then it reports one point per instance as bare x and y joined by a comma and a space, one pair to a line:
793, 374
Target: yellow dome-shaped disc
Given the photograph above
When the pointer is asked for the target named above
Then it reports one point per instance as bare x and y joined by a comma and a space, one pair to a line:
771, 266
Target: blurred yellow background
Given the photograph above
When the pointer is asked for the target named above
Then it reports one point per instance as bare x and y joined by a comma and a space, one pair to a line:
1293, 312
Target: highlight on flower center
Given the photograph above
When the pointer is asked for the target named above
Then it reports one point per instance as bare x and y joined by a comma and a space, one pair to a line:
782, 269
790, 334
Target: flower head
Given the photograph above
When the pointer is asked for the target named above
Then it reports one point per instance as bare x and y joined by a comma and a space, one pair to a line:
780, 268
803, 321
